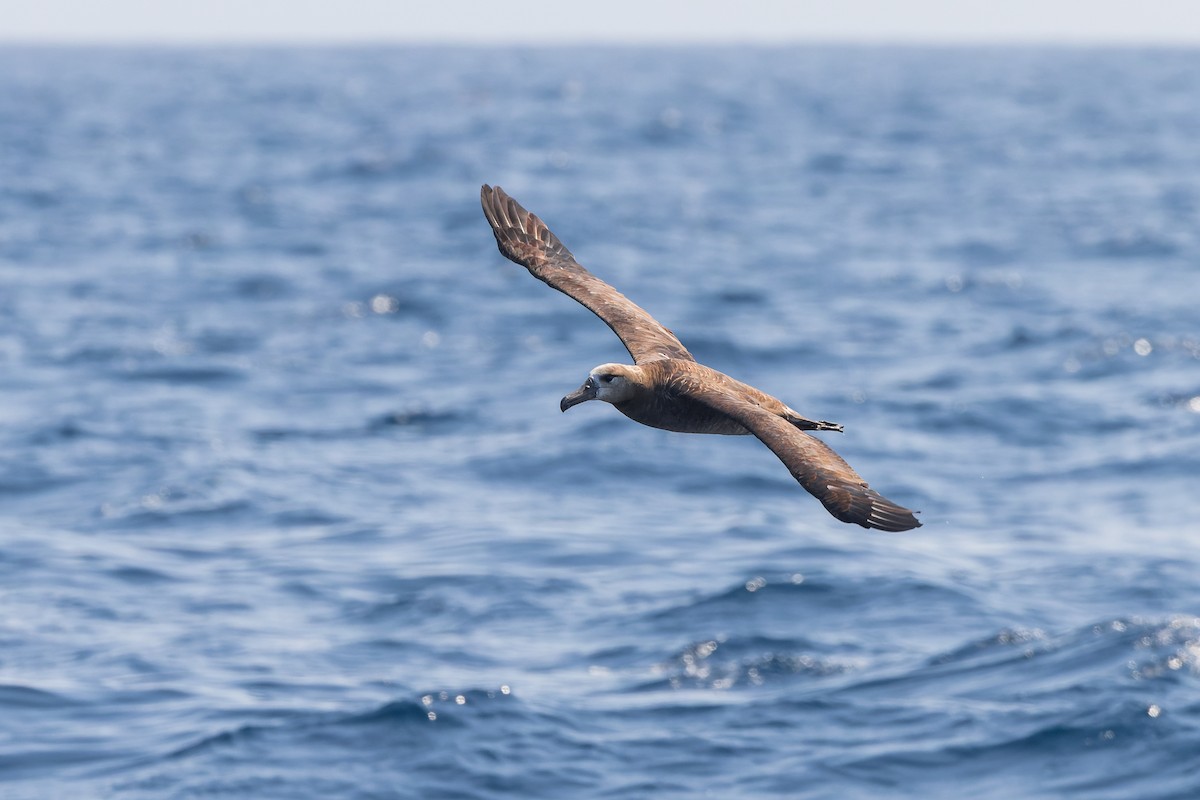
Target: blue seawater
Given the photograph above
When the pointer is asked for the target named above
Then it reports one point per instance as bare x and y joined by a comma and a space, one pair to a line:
289, 510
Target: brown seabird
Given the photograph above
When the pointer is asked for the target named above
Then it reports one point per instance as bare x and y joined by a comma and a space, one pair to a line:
666, 388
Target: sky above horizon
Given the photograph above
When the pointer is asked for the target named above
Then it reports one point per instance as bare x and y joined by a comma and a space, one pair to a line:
554, 21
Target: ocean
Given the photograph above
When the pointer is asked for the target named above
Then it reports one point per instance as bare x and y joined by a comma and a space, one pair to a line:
288, 509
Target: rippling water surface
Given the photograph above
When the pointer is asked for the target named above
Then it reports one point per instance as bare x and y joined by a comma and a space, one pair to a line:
288, 510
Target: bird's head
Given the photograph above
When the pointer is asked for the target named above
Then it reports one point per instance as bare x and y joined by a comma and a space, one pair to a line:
611, 383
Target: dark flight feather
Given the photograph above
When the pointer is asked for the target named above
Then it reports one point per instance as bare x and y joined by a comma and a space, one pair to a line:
525, 239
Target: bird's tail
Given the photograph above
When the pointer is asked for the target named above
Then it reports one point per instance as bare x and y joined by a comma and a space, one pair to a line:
806, 424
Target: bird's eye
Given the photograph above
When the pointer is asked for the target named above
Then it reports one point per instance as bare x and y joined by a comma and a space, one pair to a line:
606, 378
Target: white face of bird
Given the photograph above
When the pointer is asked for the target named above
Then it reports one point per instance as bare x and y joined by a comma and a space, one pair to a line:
613, 383
608, 382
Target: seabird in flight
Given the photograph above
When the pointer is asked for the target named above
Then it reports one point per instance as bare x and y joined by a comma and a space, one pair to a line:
666, 388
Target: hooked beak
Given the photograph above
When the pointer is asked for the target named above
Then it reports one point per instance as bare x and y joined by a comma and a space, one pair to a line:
580, 395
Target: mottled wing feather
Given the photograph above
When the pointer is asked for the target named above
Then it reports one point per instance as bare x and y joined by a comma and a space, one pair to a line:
813, 463
525, 239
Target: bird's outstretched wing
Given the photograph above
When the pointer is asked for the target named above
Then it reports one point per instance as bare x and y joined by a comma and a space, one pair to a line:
525, 239
813, 463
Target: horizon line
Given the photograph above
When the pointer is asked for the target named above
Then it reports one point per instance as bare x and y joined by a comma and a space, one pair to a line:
350, 41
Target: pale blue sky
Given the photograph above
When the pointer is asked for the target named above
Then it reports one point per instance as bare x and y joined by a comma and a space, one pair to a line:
549, 21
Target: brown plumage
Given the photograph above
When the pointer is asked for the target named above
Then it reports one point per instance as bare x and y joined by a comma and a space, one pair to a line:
666, 388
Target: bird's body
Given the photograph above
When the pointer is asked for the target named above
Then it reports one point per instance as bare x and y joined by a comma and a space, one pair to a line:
663, 397
662, 401
666, 388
